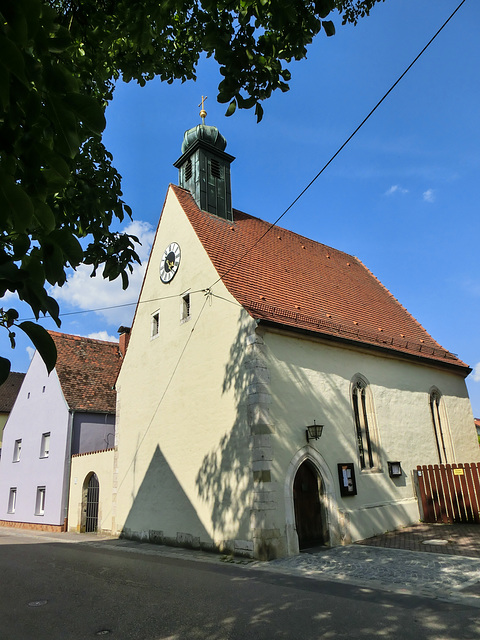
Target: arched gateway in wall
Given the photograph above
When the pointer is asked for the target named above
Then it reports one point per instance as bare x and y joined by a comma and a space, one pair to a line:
310, 505
91, 489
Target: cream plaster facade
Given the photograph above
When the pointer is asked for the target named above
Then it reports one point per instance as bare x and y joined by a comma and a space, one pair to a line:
212, 411
183, 440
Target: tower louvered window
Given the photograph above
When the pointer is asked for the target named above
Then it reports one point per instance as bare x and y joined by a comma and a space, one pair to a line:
215, 168
188, 170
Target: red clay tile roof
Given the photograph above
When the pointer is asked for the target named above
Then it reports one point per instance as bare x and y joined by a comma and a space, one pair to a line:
304, 285
9, 390
87, 370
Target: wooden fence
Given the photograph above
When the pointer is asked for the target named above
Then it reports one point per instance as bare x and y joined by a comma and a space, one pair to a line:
449, 492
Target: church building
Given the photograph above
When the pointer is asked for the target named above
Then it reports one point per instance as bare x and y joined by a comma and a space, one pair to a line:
274, 394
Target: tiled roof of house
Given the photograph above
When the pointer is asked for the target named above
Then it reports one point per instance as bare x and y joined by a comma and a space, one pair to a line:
301, 284
87, 370
9, 390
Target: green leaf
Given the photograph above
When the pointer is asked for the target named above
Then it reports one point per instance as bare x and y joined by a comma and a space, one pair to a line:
12, 58
4, 369
88, 110
231, 108
15, 203
324, 7
42, 341
329, 27
69, 244
222, 98
4, 87
44, 215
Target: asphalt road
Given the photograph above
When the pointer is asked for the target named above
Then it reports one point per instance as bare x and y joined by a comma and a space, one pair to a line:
52, 590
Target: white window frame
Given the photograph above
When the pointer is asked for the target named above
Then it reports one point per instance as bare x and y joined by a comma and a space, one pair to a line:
40, 501
185, 308
12, 500
155, 325
17, 450
45, 445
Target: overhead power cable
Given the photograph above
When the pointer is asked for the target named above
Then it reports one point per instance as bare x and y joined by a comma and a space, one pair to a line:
340, 149
117, 306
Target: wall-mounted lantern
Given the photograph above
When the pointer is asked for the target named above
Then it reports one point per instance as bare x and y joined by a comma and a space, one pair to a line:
314, 431
394, 469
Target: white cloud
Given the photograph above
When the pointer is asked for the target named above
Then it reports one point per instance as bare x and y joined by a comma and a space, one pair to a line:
102, 335
85, 293
476, 372
30, 351
395, 188
429, 195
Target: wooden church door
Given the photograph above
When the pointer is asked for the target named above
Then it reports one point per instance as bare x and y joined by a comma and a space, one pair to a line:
308, 508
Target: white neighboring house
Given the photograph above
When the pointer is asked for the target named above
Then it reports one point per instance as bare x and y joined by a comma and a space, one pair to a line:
70, 411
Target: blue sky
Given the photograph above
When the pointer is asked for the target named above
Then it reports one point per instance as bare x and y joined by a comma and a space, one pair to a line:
402, 196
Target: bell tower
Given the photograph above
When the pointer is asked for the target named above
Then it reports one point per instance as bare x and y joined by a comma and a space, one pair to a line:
204, 168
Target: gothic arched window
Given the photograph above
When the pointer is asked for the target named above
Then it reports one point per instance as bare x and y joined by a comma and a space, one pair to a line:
439, 425
364, 427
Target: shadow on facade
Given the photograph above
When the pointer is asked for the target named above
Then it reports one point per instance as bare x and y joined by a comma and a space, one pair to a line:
159, 502
244, 485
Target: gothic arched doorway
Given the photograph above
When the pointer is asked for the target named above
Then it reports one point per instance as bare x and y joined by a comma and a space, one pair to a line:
91, 489
309, 520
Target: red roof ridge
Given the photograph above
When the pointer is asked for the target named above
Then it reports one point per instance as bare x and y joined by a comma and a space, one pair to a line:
301, 289
73, 336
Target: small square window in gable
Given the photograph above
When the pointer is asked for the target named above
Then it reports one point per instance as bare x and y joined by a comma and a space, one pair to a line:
155, 324
185, 308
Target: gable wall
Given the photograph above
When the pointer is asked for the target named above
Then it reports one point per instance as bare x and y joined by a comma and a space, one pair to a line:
44, 411
182, 434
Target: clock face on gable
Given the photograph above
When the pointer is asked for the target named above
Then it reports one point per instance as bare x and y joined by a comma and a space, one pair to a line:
170, 262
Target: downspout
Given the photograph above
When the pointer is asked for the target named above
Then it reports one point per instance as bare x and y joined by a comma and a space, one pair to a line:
68, 464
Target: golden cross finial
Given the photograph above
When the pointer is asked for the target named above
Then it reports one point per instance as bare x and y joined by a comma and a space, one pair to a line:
203, 113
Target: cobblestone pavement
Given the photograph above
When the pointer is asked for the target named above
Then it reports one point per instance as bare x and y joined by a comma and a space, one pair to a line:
447, 539
433, 560
444, 577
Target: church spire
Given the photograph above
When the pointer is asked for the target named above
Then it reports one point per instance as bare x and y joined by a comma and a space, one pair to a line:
203, 113
204, 168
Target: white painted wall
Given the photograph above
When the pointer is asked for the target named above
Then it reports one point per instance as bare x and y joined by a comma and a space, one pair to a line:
40, 408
